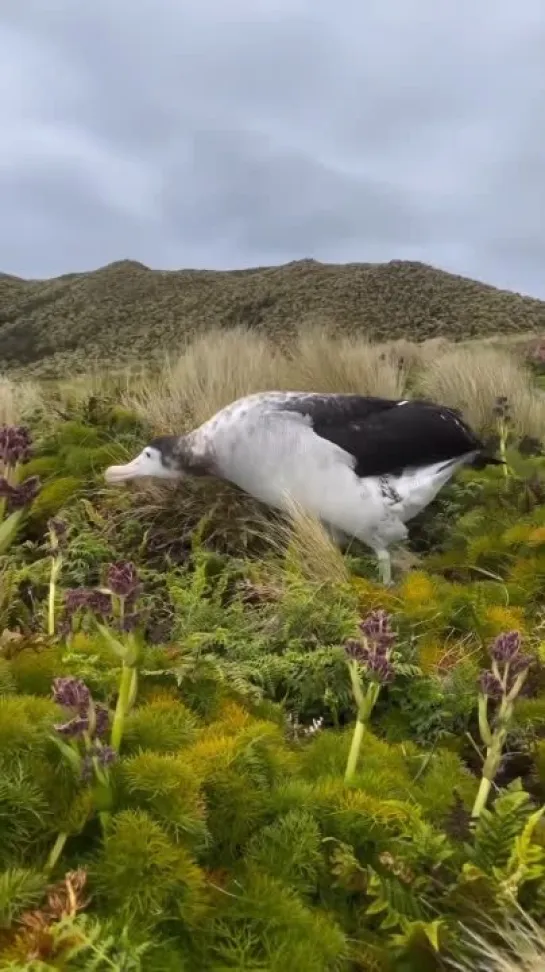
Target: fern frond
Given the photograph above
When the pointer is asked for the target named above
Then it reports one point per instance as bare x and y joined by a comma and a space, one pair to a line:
290, 850
20, 888
498, 827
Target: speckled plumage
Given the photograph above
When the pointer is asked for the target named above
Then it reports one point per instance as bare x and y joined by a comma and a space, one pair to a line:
343, 458
364, 466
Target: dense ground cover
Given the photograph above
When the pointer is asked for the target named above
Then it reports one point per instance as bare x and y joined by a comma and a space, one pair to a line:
126, 310
223, 746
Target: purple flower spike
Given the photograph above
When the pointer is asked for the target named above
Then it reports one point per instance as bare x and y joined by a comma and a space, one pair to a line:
76, 598
123, 579
376, 627
490, 686
104, 756
19, 496
82, 597
100, 603
102, 721
520, 664
15, 444
75, 728
356, 651
23, 495
71, 693
380, 669
506, 647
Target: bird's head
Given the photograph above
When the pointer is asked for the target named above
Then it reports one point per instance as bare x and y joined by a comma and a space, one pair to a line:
159, 460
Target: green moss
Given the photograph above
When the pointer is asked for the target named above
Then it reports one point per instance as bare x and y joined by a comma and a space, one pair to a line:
53, 497
164, 725
169, 789
145, 876
33, 670
7, 681
42, 466
25, 721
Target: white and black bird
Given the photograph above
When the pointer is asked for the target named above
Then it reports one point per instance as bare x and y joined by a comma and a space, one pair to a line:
364, 466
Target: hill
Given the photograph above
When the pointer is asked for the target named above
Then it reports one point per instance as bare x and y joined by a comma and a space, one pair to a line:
125, 310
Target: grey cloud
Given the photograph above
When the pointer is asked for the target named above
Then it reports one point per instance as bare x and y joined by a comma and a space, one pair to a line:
214, 134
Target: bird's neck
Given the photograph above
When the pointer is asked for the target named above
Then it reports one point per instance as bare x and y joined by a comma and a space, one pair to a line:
194, 454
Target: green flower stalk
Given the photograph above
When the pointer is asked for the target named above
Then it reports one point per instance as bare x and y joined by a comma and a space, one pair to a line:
503, 684
115, 604
369, 656
503, 414
57, 540
124, 587
81, 742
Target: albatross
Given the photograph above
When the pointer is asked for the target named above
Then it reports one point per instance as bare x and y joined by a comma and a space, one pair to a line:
364, 466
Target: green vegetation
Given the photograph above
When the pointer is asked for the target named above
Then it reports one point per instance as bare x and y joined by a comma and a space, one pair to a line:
126, 311
224, 746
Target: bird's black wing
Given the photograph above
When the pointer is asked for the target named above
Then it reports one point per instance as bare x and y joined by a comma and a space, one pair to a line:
385, 436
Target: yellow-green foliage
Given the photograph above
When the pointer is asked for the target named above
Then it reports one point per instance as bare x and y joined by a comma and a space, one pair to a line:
222, 834
144, 875
24, 722
34, 668
164, 725
167, 786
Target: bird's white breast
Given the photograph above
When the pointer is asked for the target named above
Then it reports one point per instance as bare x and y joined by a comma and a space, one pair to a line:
277, 458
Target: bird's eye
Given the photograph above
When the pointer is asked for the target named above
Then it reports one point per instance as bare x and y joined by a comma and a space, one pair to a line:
147, 453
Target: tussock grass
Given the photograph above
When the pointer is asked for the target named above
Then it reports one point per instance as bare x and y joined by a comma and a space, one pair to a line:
222, 365
517, 947
472, 379
227, 519
18, 399
321, 361
213, 370
308, 547
97, 383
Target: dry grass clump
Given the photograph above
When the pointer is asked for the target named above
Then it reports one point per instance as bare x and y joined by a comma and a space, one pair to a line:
517, 947
18, 398
322, 361
213, 370
472, 379
226, 519
221, 366
308, 546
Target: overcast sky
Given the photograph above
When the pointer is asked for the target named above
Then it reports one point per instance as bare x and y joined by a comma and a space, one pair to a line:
230, 133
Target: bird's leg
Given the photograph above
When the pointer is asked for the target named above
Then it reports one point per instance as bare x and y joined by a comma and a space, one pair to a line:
385, 567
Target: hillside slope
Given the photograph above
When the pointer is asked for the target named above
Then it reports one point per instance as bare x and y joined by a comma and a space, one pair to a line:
125, 310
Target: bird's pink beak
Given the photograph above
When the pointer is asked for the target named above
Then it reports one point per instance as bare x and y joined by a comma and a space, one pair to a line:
148, 463
137, 468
